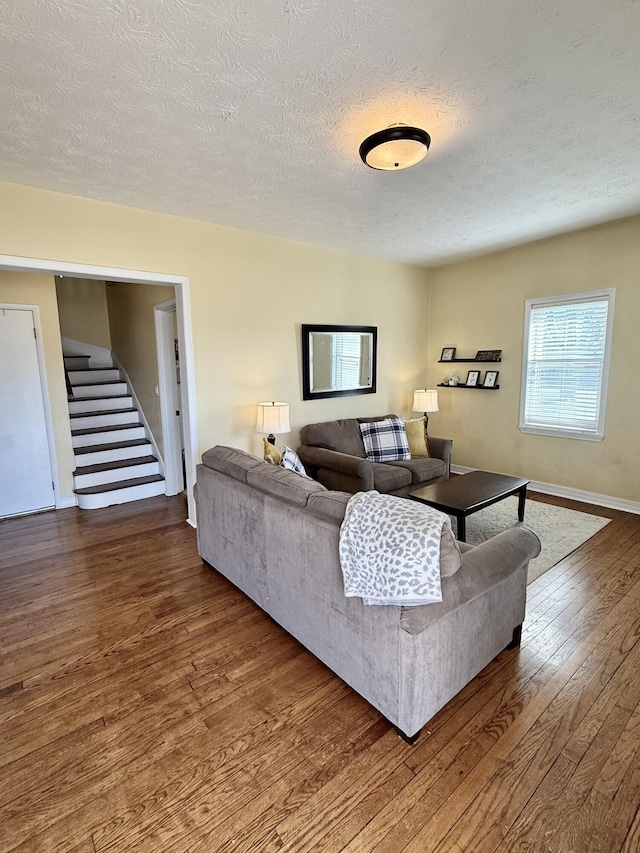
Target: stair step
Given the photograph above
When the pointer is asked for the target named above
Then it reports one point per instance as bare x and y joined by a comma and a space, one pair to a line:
101, 389
125, 491
94, 375
76, 362
103, 435
95, 454
114, 472
85, 405
92, 430
123, 484
104, 419
109, 466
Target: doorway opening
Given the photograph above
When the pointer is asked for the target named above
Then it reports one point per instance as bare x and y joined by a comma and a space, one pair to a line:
187, 393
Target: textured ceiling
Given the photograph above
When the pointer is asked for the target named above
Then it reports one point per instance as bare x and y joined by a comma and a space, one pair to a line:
249, 113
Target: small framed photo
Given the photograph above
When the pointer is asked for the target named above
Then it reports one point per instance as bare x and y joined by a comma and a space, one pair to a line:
489, 355
490, 379
472, 378
448, 354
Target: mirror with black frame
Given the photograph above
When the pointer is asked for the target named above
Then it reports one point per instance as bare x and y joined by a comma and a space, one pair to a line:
338, 361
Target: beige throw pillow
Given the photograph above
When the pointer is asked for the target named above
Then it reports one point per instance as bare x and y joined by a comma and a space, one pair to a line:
417, 437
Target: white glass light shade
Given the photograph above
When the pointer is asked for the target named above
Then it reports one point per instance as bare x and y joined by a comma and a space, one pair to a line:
425, 401
273, 417
399, 154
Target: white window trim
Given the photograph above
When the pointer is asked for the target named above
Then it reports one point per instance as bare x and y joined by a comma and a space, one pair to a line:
584, 296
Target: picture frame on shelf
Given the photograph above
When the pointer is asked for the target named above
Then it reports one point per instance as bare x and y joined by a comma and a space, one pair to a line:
490, 379
448, 354
489, 355
473, 377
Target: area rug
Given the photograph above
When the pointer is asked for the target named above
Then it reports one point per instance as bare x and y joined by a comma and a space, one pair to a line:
560, 530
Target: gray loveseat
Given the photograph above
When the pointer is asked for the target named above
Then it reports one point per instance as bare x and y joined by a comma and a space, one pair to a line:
274, 534
335, 454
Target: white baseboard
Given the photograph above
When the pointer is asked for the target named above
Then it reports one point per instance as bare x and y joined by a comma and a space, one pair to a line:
572, 494
65, 503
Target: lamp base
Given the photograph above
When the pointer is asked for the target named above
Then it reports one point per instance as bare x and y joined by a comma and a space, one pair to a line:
426, 421
271, 439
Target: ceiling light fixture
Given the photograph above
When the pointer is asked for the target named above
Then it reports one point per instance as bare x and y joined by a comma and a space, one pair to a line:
397, 147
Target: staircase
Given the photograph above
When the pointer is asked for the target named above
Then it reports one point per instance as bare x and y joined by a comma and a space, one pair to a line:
114, 459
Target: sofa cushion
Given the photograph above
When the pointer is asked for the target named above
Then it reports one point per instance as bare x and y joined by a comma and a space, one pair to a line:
416, 431
385, 441
388, 477
236, 463
423, 468
331, 504
284, 484
342, 435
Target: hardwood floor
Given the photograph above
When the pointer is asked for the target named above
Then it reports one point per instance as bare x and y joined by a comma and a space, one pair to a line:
147, 705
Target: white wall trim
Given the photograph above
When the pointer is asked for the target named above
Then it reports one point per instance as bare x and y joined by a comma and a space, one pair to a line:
66, 503
185, 338
171, 443
138, 405
98, 356
608, 501
60, 501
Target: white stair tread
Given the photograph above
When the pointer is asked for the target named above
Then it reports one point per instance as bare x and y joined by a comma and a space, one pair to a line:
120, 484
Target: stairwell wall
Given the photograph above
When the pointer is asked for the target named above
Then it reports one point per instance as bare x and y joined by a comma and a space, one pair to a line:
133, 341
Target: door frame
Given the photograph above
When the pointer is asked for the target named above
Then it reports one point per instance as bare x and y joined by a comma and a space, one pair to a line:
46, 401
171, 438
185, 338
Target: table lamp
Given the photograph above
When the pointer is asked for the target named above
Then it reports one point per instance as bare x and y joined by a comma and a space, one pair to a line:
425, 401
273, 418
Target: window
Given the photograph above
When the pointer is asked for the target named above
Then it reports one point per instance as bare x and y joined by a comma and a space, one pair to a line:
565, 364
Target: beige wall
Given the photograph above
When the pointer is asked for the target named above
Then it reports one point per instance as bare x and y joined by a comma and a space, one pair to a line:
479, 304
28, 289
249, 295
82, 305
133, 340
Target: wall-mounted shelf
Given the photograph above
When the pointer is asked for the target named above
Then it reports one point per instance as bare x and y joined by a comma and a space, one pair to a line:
467, 361
462, 385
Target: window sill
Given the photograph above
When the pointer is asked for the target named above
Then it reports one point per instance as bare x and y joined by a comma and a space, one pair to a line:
561, 433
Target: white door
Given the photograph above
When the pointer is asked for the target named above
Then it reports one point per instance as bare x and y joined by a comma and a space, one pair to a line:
25, 464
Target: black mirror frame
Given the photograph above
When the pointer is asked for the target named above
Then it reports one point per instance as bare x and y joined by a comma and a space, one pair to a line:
307, 330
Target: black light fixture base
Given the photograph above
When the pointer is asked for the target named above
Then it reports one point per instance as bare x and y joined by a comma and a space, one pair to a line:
271, 439
395, 133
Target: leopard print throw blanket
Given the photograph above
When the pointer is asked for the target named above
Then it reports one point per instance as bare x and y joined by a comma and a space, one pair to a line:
390, 550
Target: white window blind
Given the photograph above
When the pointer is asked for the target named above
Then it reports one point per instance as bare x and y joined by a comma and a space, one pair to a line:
567, 342
345, 365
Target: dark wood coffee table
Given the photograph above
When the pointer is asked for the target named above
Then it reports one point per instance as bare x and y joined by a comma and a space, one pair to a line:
461, 496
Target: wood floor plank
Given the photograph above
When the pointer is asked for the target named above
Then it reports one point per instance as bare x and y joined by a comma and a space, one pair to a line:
146, 704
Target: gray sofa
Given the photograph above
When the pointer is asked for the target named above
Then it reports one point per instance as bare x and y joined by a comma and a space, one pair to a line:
274, 534
334, 452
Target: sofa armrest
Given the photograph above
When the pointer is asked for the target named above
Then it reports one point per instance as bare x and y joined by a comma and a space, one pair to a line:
483, 567
354, 466
440, 448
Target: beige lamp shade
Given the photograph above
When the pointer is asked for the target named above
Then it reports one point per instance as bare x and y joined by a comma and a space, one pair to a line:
273, 417
425, 401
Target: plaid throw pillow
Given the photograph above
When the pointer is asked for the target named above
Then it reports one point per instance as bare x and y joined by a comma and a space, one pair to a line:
292, 461
385, 441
